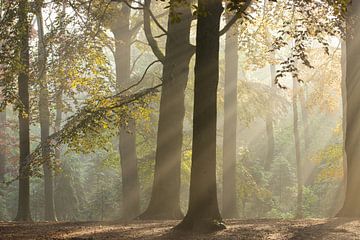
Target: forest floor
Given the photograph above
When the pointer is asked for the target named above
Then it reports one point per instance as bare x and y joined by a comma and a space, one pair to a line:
307, 229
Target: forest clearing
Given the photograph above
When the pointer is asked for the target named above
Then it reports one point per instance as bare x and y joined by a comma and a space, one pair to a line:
179, 119
266, 229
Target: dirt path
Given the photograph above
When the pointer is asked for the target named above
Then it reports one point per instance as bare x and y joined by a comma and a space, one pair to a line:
329, 229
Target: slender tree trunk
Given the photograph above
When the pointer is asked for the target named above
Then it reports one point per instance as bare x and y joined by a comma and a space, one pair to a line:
203, 213
59, 91
352, 88
58, 117
127, 134
269, 121
307, 165
299, 209
2, 136
229, 207
23, 213
44, 113
2, 145
165, 197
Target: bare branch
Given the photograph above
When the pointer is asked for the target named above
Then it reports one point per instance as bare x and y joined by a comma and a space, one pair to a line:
148, 33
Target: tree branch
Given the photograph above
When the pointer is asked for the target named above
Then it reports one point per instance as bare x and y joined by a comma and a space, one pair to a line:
237, 15
149, 36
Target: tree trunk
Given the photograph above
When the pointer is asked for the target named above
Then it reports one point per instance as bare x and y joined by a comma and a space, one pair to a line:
127, 134
2, 145
203, 213
352, 88
165, 197
308, 166
269, 121
229, 207
59, 90
23, 213
45, 122
58, 117
299, 207
344, 106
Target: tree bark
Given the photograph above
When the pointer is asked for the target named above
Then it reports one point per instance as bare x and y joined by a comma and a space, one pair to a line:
59, 88
127, 134
203, 213
44, 113
299, 207
23, 213
165, 197
2, 145
352, 88
229, 207
344, 106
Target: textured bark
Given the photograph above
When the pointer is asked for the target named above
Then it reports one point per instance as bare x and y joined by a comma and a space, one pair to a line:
2, 138
2, 145
229, 209
269, 121
299, 204
165, 197
203, 213
44, 113
351, 207
127, 135
23, 213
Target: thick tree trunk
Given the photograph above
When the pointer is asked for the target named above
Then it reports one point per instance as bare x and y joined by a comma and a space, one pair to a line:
127, 134
2, 145
23, 213
44, 113
344, 107
269, 121
299, 207
229, 207
203, 213
165, 197
352, 196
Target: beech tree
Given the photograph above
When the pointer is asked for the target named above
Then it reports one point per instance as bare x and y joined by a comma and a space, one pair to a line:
23, 213
127, 134
229, 200
352, 197
203, 210
44, 115
165, 197
299, 173
2, 145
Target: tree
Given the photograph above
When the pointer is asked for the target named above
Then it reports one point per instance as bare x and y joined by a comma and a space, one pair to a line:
2, 145
2, 132
269, 122
229, 209
165, 197
203, 213
44, 113
127, 134
352, 197
297, 150
23, 213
